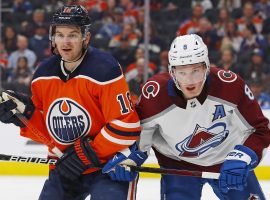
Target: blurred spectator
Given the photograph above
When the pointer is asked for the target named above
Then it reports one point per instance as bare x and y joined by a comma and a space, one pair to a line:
256, 68
257, 88
112, 27
163, 62
251, 40
10, 39
140, 54
3, 75
191, 25
156, 44
22, 50
267, 50
248, 18
222, 22
21, 77
208, 34
128, 31
206, 4
227, 61
130, 10
124, 53
38, 20
22, 6
262, 9
229, 4
135, 78
39, 43
232, 39
3, 55
95, 5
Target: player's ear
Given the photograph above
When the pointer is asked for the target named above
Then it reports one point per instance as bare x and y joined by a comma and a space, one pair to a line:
87, 40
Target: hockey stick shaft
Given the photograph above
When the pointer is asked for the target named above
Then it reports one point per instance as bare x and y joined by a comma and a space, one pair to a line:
25, 159
31, 127
38, 134
209, 175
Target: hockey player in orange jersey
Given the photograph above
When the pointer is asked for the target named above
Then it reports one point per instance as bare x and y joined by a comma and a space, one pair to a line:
81, 102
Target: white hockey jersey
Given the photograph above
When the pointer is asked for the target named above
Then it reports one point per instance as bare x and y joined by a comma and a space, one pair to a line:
200, 132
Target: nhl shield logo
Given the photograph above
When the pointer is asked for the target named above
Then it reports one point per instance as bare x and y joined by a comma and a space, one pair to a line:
67, 120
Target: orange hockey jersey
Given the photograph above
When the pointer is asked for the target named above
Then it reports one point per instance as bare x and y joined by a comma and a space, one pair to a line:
93, 100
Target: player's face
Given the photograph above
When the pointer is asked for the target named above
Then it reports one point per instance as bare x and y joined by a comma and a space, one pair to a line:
69, 41
190, 79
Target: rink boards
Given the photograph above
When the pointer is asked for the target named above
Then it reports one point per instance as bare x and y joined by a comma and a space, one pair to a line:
12, 144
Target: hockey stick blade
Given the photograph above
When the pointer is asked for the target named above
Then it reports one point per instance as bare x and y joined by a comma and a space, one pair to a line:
209, 175
27, 159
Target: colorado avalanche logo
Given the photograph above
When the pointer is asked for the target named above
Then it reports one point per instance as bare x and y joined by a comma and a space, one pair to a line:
227, 76
151, 88
67, 120
202, 139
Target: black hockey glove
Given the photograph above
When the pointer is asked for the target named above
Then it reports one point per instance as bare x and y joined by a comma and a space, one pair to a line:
12, 102
76, 159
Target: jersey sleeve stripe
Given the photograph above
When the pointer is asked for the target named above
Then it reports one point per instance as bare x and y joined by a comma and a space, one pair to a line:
122, 133
116, 140
126, 125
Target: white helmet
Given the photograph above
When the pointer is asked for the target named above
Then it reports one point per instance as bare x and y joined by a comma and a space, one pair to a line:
187, 50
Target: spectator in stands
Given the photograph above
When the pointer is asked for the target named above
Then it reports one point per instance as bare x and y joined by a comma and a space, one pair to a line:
191, 25
251, 40
10, 38
258, 89
262, 9
22, 6
124, 53
130, 10
39, 43
210, 37
232, 38
113, 26
22, 50
156, 44
140, 54
229, 4
256, 68
3, 75
227, 61
19, 78
222, 22
38, 20
135, 78
249, 17
128, 31
206, 4
3, 55
163, 62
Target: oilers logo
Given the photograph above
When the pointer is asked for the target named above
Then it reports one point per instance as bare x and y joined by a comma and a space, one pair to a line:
202, 139
67, 120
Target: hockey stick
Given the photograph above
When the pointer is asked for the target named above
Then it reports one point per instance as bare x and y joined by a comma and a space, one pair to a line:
32, 128
25, 159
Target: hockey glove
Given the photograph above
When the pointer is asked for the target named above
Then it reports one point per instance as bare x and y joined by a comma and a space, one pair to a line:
116, 167
235, 169
12, 102
76, 159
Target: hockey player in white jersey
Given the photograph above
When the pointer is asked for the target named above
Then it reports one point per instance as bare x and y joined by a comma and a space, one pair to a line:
202, 119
